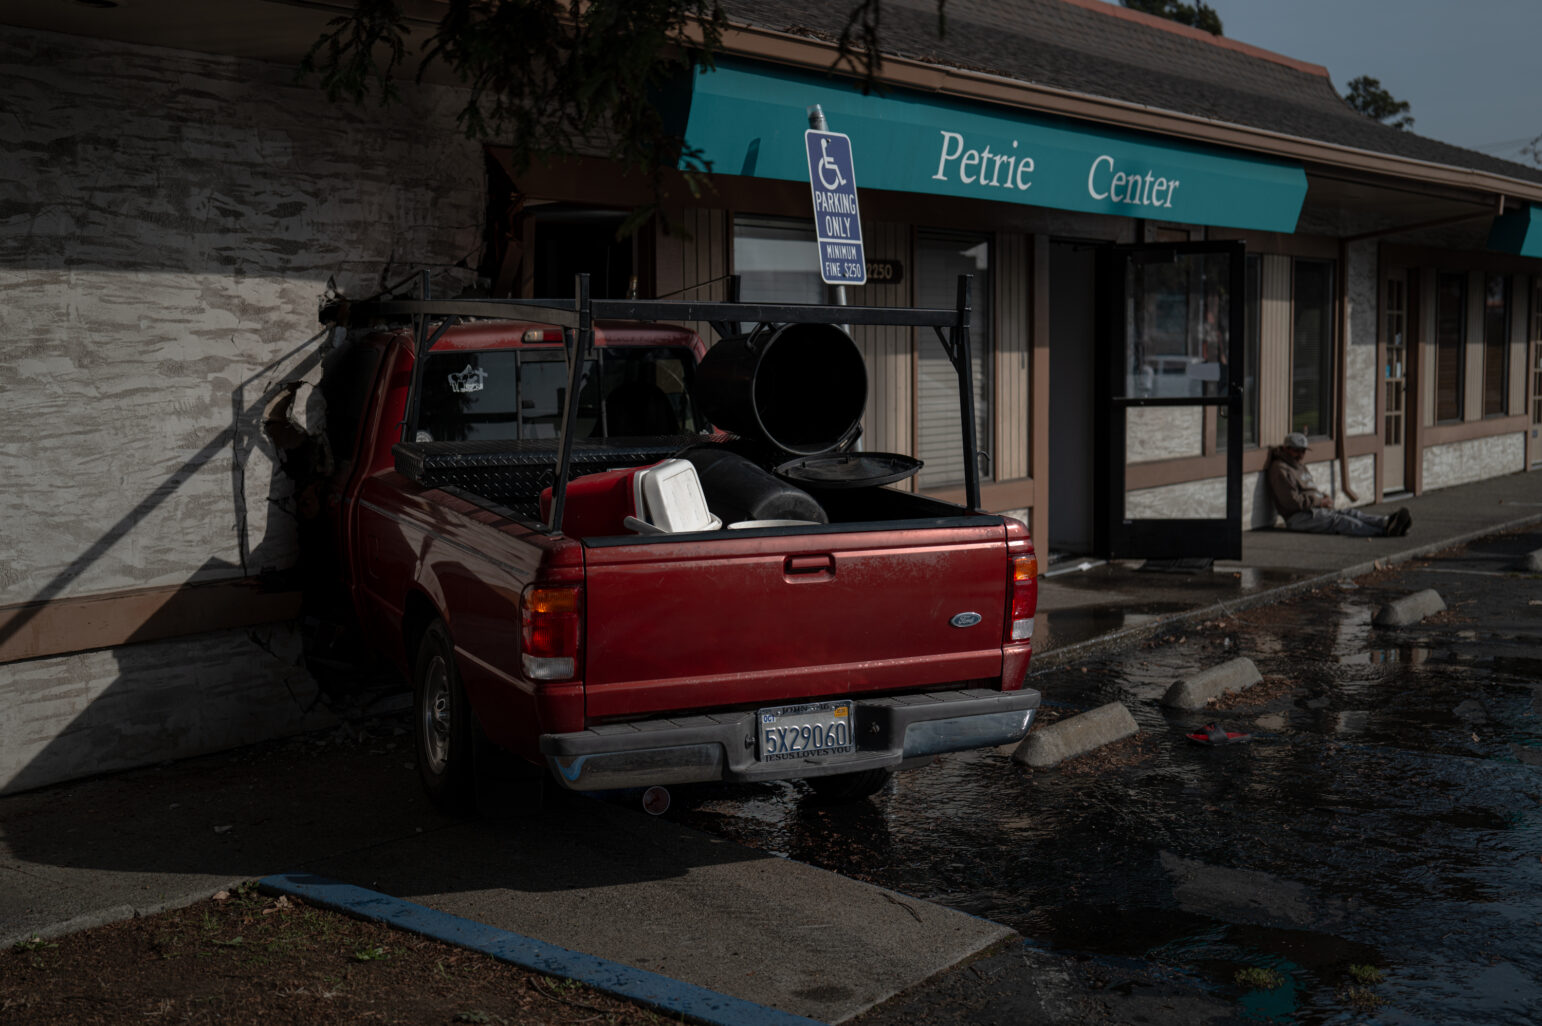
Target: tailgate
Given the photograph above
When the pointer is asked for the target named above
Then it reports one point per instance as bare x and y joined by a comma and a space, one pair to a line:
757, 617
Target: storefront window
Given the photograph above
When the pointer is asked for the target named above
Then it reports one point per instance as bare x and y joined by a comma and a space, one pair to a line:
777, 260
1450, 340
1496, 345
1311, 396
1254, 271
940, 258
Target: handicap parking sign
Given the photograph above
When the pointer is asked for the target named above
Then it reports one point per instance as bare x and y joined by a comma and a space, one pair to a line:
833, 181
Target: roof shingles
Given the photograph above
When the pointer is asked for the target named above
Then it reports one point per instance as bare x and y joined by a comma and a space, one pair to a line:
1098, 50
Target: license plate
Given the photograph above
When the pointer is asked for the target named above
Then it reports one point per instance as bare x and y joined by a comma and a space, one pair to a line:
799, 731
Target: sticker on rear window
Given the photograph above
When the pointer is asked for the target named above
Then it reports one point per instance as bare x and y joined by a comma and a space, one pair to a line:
470, 379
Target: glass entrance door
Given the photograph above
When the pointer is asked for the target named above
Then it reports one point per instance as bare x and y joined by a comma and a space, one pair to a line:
1171, 321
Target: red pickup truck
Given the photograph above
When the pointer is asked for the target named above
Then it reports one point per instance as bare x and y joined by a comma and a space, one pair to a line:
539, 523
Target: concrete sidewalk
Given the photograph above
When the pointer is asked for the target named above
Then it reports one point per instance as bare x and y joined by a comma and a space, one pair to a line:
594, 877
1112, 603
585, 875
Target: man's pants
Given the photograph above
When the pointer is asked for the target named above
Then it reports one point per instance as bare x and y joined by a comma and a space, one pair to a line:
1337, 521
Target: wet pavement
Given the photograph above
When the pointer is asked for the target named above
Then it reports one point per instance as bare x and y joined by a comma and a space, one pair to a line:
1114, 603
1377, 844
1383, 820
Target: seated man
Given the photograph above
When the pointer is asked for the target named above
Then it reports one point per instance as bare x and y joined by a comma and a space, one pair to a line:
1307, 509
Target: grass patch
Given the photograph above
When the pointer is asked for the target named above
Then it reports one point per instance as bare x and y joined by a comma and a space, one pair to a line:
1259, 977
1362, 998
1367, 974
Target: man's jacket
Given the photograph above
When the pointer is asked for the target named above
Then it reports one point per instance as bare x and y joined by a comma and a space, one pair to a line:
1290, 485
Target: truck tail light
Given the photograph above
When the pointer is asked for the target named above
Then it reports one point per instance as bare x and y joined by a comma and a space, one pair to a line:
1024, 572
541, 335
551, 629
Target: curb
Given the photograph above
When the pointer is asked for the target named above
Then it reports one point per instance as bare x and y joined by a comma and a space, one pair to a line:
1069, 654
1076, 735
1192, 693
1409, 610
119, 913
656, 991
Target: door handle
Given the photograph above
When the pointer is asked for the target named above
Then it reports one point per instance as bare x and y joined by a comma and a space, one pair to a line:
809, 566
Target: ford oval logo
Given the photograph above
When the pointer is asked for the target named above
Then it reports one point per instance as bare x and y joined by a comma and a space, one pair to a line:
966, 619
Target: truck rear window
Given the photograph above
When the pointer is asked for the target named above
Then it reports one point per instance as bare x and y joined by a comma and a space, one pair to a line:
510, 394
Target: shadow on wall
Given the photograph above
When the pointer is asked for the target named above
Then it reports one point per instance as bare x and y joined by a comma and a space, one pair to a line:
164, 694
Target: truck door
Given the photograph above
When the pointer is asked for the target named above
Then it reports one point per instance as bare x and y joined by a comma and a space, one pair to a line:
1170, 324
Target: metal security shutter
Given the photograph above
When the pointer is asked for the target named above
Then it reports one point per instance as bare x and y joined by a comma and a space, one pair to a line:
940, 258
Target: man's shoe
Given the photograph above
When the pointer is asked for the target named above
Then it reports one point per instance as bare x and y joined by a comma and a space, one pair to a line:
1399, 522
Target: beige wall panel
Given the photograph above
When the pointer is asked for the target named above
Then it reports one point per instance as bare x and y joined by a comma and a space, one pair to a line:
1461, 462
1013, 349
692, 260
1472, 387
1361, 368
1163, 433
96, 712
1520, 319
161, 271
1274, 334
1426, 315
886, 350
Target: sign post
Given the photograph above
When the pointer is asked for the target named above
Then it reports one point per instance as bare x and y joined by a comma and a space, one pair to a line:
837, 223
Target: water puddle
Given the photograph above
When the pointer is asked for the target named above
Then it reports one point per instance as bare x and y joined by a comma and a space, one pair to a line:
1378, 856
1410, 654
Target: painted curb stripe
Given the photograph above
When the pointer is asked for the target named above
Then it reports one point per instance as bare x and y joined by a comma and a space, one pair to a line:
652, 989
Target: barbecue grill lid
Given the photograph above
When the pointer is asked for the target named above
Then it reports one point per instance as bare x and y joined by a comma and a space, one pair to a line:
849, 469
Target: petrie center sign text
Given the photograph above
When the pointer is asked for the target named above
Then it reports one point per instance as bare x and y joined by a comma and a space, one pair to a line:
1014, 170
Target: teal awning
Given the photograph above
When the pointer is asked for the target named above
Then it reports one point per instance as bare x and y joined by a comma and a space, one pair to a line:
749, 119
1519, 232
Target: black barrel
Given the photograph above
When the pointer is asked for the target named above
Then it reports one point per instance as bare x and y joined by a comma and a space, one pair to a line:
800, 387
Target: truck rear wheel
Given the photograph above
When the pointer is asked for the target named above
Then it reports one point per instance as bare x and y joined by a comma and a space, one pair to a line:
840, 788
443, 731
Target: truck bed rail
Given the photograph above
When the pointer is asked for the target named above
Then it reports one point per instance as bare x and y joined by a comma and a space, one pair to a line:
578, 315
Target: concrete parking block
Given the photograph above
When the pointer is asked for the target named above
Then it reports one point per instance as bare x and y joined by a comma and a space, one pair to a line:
1076, 735
1193, 693
1532, 562
1410, 609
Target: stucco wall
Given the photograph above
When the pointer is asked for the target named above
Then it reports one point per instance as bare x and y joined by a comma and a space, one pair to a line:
168, 222
1163, 432
1207, 498
1461, 462
1361, 371
167, 225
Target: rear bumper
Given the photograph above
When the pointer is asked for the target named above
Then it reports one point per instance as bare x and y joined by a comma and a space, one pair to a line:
723, 746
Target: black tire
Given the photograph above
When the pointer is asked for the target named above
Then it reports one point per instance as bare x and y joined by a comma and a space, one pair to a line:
843, 788
443, 732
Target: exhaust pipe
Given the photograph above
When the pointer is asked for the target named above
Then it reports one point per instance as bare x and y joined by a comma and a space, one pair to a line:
655, 800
